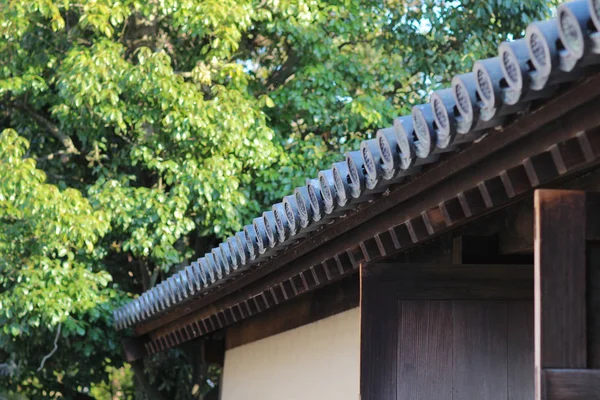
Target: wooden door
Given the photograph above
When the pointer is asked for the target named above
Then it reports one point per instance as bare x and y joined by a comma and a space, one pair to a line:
446, 332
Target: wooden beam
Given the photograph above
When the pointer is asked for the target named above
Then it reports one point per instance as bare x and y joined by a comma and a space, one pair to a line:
454, 282
378, 338
560, 282
302, 310
572, 384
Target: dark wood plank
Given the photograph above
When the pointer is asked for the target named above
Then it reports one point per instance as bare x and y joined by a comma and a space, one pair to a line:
560, 279
520, 350
302, 310
593, 278
480, 350
449, 282
378, 338
573, 384
593, 291
425, 350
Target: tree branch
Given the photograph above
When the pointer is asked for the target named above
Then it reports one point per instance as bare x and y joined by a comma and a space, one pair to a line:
281, 75
51, 156
50, 128
154, 277
47, 356
144, 274
184, 74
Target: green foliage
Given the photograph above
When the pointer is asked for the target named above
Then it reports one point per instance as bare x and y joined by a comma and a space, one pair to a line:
119, 384
138, 133
51, 274
187, 369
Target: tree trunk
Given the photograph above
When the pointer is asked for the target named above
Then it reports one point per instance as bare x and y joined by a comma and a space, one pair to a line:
151, 391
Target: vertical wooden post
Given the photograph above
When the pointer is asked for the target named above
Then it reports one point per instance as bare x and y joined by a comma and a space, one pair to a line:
560, 283
379, 337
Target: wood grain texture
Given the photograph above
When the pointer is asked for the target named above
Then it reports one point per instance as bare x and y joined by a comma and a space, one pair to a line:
560, 279
573, 384
378, 338
520, 354
445, 349
424, 350
480, 349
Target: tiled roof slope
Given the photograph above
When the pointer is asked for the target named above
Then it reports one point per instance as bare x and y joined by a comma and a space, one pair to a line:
553, 52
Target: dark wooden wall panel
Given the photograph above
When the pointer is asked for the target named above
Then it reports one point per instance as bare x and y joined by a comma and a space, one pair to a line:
480, 350
443, 349
520, 356
425, 350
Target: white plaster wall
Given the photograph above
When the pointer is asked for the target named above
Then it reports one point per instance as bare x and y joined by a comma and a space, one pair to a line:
315, 361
